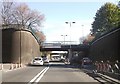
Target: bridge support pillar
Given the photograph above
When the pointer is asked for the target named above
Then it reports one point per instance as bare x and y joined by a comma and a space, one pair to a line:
69, 55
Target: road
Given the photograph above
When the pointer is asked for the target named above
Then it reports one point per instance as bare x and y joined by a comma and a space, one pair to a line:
55, 72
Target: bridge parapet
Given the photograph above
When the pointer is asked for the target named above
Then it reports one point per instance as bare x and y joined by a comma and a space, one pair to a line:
64, 42
63, 47
51, 45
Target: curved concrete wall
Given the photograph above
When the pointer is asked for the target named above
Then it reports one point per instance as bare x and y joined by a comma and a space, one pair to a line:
107, 47
16, 48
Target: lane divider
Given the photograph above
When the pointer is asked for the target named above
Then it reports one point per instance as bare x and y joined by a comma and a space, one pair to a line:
39, 76
42, 75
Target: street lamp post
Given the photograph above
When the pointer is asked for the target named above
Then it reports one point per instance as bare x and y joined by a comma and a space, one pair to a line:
70, 31
70, 50
64, 37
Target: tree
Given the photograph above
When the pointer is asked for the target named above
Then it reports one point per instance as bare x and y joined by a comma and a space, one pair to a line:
6, 12
28, 17
20, 14
40, 35
107, 18
88, 39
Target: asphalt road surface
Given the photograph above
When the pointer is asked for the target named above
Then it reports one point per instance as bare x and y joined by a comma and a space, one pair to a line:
54, 72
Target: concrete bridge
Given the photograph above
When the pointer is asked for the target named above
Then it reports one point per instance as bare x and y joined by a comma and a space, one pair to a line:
69, 48
63, 47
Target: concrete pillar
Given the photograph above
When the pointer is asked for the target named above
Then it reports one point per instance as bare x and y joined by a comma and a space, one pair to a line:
69, 55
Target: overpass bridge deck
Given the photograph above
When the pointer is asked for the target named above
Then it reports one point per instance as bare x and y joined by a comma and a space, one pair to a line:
61, 47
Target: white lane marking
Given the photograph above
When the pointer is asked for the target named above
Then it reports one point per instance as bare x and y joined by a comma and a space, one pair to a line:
42, 75
37, 76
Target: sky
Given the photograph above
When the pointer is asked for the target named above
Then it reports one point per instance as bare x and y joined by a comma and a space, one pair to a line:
82, 12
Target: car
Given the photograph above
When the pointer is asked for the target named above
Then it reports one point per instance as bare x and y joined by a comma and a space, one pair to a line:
37, 61
45, 59
86, 63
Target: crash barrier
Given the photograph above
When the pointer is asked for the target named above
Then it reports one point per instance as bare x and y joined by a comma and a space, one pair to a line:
14, 66
107, 66
10, 66
1, 66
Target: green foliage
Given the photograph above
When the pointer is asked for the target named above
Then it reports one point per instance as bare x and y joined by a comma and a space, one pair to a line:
107, 18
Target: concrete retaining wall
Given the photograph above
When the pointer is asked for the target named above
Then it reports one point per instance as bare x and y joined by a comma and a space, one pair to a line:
18, 46
106, 47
